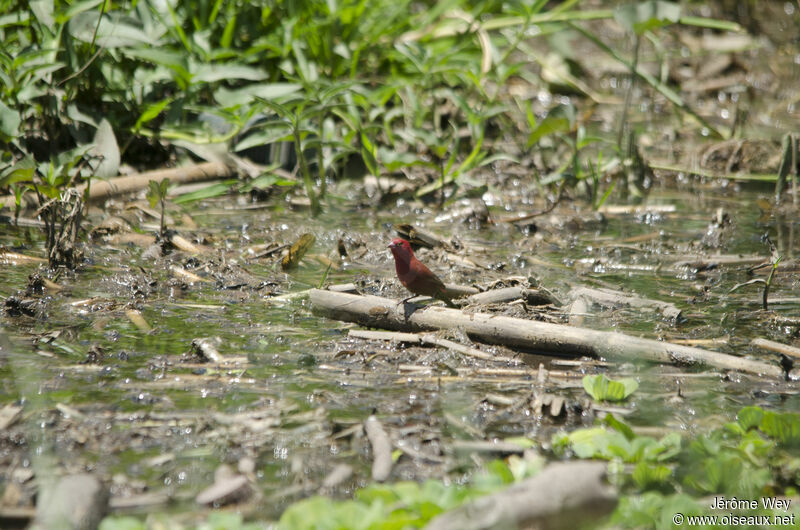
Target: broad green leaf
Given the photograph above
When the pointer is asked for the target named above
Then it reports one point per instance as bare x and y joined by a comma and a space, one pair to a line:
647, 475
306, 514
77, 7
500, 470
105, 147
601, 388
176, 62
783, 427
749, 417
21, 171
9, 123
591, 442
65, 160
43, 11
111, 33
75, 114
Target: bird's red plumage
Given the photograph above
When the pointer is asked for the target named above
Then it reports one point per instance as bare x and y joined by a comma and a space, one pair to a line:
413, 274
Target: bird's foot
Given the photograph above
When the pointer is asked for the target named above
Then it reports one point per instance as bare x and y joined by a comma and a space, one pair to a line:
404, 300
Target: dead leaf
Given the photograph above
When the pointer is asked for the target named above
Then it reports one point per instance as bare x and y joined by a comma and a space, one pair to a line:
297, 251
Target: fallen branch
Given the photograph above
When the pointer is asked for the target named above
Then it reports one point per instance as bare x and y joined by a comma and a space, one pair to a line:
377, 312
104, 189
610, 298
413, 338
507, 294
785, 349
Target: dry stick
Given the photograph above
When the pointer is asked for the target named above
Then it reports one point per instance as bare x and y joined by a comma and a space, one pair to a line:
785, 349
414, 338
377, 312
465, 350
104, 189
507, 294
381, 449
609, 297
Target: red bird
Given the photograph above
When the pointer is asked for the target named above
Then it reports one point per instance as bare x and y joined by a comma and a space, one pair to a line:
414, 275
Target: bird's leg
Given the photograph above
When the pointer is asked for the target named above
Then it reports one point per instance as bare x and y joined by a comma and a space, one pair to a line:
404, 300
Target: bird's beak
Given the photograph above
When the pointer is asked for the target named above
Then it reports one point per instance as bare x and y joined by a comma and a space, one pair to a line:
391, 245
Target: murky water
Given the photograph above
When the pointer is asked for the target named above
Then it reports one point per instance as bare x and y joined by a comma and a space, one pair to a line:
311, 383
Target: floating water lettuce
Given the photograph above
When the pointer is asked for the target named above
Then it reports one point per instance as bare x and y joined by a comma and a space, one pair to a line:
601, 388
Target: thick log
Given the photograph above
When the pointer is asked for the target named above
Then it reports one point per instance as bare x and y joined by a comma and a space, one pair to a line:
377, 312
563, 495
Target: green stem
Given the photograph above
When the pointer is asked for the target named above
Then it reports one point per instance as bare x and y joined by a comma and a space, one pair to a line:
769, 281
309, 183
323, 185
628, 95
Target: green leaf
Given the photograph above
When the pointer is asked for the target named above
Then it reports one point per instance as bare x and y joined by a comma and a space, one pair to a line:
647, 16
522, 441
368, 153
560, 119
393, 161
151, 112
213, 190
306, 513
523, 468
121, 32
267, 180
500, 470
21, 171
122, 523
296, 252
750, 417
105, 149
157, 191
209, 73
74, 9
227, 35
601, 388
9, 123
591, 442
173, 60
783, 427
648, 475
242, 96
271, 133
619, 426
